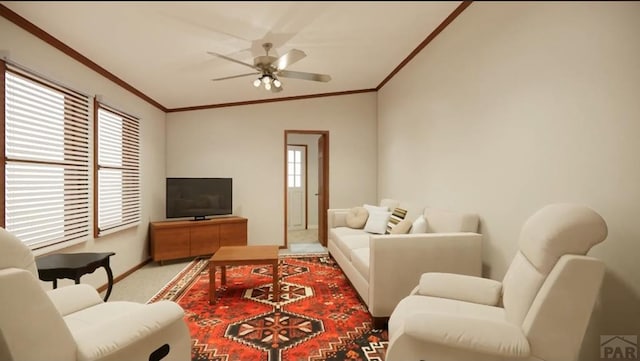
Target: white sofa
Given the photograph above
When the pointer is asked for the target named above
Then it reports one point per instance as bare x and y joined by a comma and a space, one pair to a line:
384, 268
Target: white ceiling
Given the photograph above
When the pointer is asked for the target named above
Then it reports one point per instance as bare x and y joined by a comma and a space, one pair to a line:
160, 48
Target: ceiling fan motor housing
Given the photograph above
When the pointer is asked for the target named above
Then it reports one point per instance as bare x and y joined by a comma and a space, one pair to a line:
265, 62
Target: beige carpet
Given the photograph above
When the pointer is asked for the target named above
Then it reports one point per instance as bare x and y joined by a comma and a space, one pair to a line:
145, 282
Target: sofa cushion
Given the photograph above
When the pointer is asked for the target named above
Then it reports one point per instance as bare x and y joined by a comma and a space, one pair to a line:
397, 215
339, 232
348, 243
377, 222
360, 260
413, 211
357, 217
442, 221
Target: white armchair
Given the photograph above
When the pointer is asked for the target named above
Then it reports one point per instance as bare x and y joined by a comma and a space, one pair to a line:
73, 323
539, 311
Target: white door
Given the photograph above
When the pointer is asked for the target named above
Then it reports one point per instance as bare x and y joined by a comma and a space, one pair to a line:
296, 187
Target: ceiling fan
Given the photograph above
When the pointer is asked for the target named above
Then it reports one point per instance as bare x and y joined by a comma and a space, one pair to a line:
269, 69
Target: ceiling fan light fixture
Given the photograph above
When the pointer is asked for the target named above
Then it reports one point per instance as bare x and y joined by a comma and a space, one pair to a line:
268, 66
269, 81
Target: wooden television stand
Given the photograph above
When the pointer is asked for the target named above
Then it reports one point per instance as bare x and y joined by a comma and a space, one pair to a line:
183, 239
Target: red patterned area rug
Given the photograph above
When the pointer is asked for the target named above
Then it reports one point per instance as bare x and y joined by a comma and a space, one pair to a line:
319, 316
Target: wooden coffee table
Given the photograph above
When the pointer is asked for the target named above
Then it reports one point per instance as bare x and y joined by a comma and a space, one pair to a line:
242, 255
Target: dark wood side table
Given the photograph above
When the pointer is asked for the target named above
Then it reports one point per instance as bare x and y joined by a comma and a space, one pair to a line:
72, 266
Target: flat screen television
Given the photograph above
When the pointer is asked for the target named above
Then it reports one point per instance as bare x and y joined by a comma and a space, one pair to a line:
199, 197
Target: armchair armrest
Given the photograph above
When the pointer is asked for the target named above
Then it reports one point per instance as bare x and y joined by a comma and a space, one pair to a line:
460, 287
397, 261
74, 298
473, 334
131, 335
337, 217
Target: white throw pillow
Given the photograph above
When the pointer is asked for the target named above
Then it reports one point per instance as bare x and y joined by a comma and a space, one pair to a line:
377, 222
419, 226
372, 209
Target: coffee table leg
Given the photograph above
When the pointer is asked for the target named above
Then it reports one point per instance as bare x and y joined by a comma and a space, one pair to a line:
223, 279
276, 284
212, 283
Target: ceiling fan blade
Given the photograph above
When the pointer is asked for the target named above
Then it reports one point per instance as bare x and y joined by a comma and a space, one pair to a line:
304, 76
231, 59
235, 76
289, 58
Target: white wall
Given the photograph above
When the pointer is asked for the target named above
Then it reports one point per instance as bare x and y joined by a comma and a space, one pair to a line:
311, 141
513, 106
247, 143
130, 246
517, 105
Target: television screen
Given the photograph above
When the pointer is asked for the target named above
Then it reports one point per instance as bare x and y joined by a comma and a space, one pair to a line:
199, 197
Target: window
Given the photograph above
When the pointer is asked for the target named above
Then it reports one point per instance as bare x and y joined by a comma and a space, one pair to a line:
294, 168
46, 168
117, 170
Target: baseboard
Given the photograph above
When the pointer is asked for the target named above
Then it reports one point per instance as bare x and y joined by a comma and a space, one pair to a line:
124, 275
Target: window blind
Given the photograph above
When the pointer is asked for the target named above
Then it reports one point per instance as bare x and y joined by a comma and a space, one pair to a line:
46, 160
118, 170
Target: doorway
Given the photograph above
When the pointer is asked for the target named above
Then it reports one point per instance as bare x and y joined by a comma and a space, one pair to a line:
306, 190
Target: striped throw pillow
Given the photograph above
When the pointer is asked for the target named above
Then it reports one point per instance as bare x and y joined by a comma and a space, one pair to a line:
397, 215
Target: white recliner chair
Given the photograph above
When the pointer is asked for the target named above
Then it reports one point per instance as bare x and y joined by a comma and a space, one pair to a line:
539, 311
73, 323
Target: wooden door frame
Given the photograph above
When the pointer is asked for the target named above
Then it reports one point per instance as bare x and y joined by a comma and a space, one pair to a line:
325, 179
